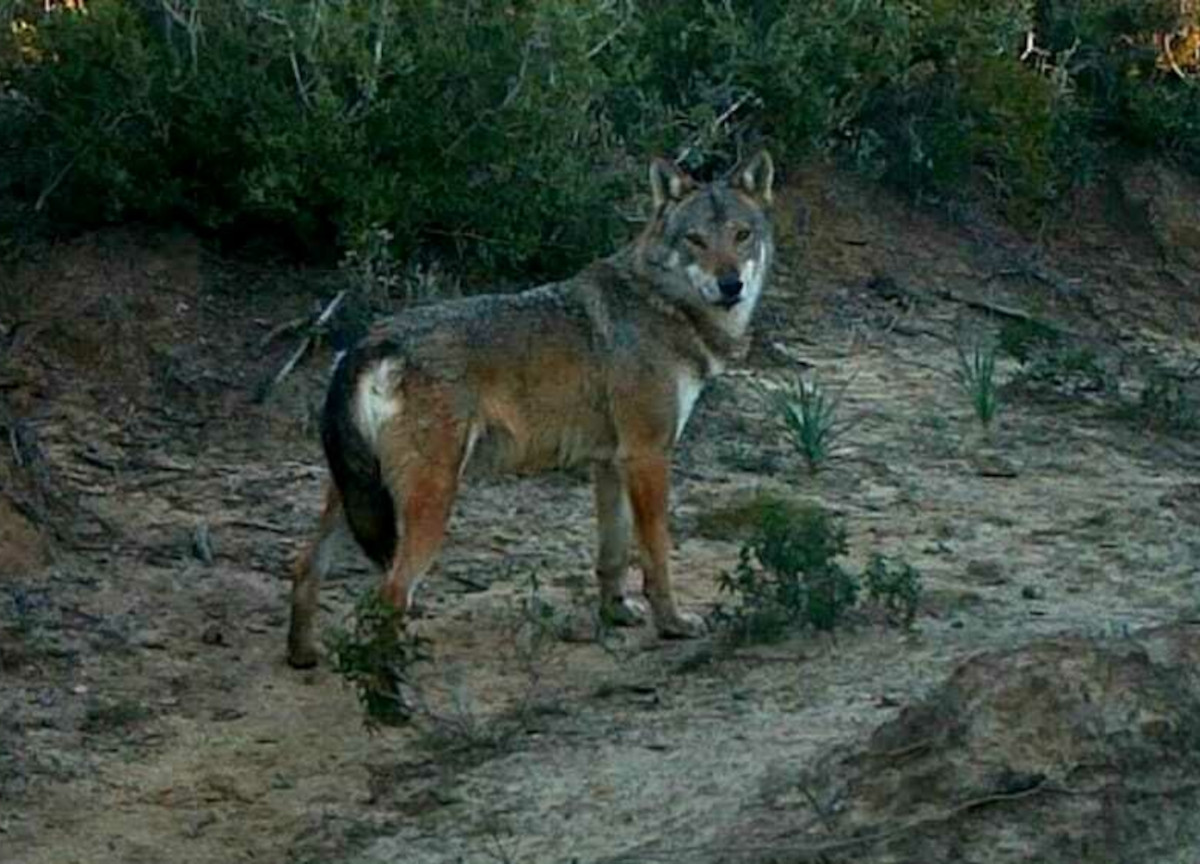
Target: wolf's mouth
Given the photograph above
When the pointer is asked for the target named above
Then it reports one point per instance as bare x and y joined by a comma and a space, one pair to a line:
729, 302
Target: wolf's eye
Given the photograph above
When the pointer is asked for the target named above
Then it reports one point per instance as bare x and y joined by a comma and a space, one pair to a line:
742, 235
696, 240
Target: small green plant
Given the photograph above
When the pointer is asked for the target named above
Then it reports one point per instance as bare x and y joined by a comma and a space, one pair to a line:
1024, 339
895, 587
1071, 368
374, 656
788, 577
116, 716
976, 375
1052, 361
1166, 405
809, 413
538, 628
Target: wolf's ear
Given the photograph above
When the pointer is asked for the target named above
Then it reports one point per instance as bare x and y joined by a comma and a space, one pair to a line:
755, 176
668, 182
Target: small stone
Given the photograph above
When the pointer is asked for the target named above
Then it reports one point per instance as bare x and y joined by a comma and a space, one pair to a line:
991, 464
152, 640
1032, 592
213, 635
986, 572
446, 795
197, 823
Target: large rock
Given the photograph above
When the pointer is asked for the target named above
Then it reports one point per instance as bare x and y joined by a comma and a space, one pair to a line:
1069, 750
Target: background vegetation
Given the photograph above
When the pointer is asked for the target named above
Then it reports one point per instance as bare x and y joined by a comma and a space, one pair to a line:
510, 136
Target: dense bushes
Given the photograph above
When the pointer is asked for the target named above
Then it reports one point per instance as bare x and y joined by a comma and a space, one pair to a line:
512, 134
316, 121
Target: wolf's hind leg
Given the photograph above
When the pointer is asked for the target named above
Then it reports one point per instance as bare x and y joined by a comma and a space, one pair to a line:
615, 523
311, 567
423, 481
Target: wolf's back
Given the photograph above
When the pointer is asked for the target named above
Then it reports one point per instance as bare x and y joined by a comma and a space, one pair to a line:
354, 464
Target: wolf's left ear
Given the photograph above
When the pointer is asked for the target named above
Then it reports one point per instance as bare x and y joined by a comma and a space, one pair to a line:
668, 182
755, 176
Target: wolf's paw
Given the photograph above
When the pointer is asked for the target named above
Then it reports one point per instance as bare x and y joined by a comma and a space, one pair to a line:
681, 625
302, 656
623, 612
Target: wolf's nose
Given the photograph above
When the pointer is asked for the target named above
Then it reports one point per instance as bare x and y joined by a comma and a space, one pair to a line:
731, 286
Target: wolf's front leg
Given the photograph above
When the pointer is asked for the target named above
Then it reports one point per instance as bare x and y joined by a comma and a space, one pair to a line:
615, 522
648, 478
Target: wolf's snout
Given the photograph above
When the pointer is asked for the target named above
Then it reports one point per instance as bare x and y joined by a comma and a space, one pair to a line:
731, 287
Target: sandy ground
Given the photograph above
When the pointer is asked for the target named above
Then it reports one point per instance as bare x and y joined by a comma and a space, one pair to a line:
146, 713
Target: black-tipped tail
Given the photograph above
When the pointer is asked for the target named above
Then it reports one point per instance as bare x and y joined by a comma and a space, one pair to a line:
354, 464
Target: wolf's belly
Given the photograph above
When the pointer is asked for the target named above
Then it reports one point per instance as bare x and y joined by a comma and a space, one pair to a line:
531, 444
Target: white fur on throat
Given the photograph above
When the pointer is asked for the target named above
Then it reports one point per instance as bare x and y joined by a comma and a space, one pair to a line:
687, 390
752, 274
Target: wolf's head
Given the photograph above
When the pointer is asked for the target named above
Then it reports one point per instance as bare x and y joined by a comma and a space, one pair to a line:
710, 245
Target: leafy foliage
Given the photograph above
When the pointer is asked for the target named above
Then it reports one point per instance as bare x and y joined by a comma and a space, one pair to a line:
1051, 361
788, 576
1167, 404
895, 589
374, 656
510, 137
809, 414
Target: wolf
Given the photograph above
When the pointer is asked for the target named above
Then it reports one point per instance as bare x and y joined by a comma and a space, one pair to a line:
602, 368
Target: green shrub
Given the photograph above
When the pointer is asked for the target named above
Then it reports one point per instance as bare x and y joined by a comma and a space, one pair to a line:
1023, 339
1110, 60
470, 128
512, 137
1051, 361
374, 657
809, 67
788, 576
895, 589
1167, 405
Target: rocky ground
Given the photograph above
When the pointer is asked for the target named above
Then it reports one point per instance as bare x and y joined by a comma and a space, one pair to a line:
1044, 706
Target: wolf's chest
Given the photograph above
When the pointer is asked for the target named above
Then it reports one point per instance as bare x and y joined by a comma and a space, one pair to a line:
688, 387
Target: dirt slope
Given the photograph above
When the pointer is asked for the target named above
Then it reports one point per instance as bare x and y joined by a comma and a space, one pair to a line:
150, 508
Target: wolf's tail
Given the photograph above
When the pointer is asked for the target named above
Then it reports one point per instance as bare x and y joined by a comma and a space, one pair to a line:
368, 504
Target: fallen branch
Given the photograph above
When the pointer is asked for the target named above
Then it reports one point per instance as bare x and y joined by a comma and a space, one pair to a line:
469, 583
986, 306
281, 330
299, 353
255, 525
717, 123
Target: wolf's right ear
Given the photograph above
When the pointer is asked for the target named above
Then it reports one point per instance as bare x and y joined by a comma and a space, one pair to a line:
668, 182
